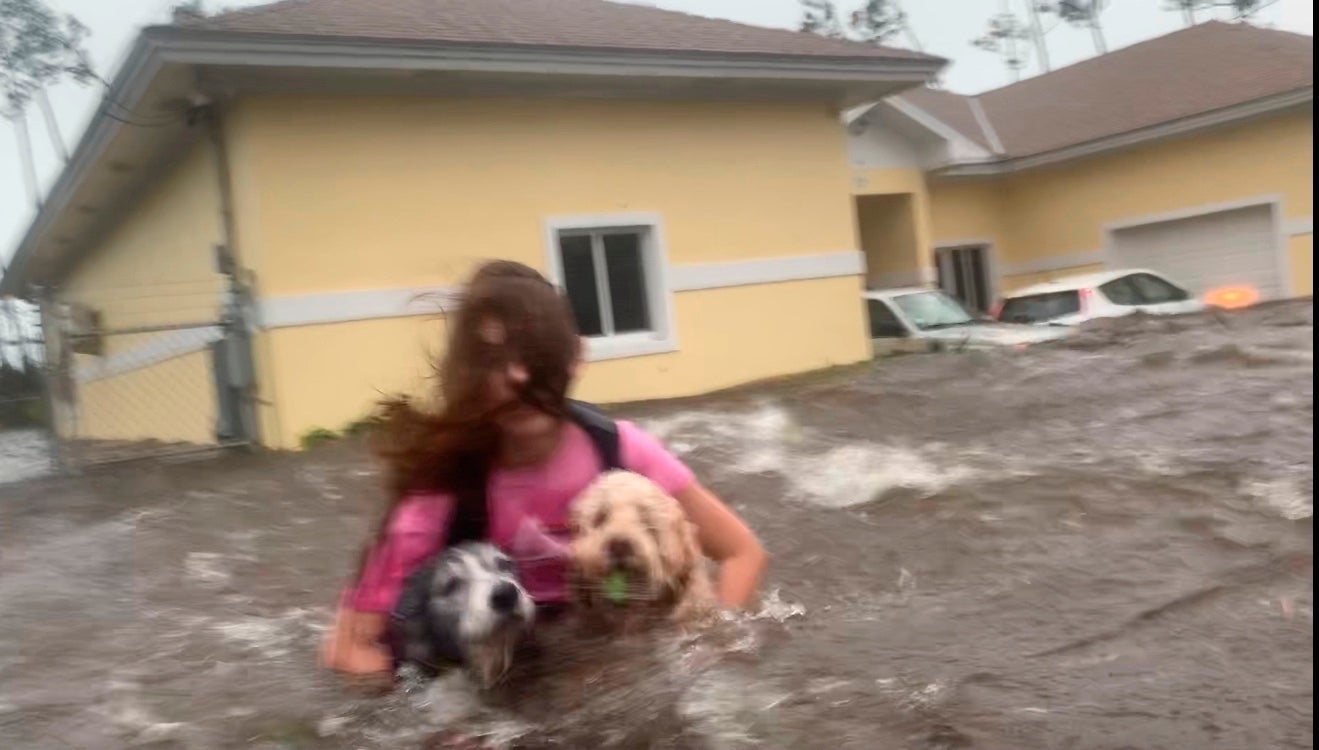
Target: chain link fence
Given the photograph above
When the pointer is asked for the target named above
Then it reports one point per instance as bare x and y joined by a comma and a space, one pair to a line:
105, 374
150, 387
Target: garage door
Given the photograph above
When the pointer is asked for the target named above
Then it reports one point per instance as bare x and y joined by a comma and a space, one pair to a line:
1228, 248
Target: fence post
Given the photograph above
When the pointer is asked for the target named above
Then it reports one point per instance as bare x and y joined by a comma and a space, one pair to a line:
46, 317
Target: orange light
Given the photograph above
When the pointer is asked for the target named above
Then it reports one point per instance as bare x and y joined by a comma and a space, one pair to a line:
1232, 297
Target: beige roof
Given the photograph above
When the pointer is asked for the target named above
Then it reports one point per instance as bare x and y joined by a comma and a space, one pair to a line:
580, 24
1190, 72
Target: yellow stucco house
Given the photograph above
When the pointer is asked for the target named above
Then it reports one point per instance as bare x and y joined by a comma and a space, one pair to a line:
685, 180
259, 230
1189, 154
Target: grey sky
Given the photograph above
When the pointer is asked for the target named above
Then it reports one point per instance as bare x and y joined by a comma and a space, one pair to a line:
944, 27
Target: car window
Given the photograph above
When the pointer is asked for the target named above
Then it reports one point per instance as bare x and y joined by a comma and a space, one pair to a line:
933, 310
1040, 308
1121, 291
883, 323
1155, 291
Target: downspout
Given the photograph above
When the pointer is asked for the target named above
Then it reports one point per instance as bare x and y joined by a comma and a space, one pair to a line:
229, 262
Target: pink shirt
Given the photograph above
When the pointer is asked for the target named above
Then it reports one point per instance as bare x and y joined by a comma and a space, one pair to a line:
528, 516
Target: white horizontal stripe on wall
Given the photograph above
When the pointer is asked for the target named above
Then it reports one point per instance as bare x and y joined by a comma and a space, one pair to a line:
1298, 227
375, 304
371, 304
362, 304
699, 276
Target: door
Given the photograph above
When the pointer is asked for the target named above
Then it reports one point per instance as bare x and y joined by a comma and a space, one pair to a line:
1224, 249
963, 274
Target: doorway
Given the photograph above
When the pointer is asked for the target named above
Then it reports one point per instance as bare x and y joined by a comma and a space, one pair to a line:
964, 274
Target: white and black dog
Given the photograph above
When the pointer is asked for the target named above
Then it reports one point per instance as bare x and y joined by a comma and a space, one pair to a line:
464, 608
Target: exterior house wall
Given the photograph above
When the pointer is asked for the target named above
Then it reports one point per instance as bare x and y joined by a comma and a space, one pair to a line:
1052, 220
342, 201
155, 267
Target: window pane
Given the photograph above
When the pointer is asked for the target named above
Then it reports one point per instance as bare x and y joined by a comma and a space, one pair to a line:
1039, 308
1155, 291
1121, 292
627, 283
579, 281
883, 323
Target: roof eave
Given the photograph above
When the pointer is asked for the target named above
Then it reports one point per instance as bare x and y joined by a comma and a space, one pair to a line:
158, 46
129, 84
1232, 115
211, 47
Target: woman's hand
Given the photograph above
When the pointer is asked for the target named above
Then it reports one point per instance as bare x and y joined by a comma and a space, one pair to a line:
352, 644
725, 538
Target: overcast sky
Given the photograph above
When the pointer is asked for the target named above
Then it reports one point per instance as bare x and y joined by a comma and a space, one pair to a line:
943, 27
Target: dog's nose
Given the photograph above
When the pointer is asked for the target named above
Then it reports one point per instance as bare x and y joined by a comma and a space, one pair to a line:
620, 549
504, 598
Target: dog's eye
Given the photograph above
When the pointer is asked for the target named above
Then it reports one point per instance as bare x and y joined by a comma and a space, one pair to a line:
504, 565
451, 587
601, 517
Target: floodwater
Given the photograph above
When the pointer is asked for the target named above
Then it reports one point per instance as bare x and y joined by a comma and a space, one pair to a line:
24, 454
1101, 544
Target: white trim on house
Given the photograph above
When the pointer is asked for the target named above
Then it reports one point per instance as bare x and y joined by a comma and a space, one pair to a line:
986, 127
659, 292
155, 350
1273, 202
349, 306
961, 149
688, 278
1298, 227
370, 304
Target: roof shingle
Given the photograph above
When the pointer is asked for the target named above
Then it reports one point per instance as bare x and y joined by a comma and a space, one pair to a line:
1189, 72
581, 24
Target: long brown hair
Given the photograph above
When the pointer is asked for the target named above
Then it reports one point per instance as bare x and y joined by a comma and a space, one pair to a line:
452, 450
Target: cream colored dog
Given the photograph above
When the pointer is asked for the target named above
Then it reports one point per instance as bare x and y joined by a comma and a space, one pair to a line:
635, 556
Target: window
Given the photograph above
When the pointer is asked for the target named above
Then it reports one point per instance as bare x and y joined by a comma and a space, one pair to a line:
931, 311
1121, 292
883, 323
612, 271
1040, 308
1155, 291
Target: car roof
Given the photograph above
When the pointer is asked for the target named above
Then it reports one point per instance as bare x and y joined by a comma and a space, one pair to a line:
1079, 281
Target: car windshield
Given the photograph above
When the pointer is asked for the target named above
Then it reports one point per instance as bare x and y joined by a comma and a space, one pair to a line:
1040, 308
931, 310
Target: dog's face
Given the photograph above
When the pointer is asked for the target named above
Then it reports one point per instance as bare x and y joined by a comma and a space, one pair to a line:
475, 612
632, 542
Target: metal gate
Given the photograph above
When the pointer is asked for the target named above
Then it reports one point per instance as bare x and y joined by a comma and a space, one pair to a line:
123, 392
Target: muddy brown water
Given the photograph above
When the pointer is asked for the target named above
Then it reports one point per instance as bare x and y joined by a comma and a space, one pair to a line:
1105, 543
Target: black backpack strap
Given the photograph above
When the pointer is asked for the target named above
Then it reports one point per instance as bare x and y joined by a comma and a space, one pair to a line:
602, 430
472, 523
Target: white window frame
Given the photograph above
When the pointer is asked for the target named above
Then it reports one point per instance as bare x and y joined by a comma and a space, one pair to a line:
659, 293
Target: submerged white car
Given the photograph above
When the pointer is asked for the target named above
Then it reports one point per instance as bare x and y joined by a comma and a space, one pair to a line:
922, 320
1108, 294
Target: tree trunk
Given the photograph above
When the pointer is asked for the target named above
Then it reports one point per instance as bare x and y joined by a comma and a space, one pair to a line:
25, 156
1097, 34
52, 126
1037, 34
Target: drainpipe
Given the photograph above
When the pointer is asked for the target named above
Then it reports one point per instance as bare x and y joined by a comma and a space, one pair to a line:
238, 343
